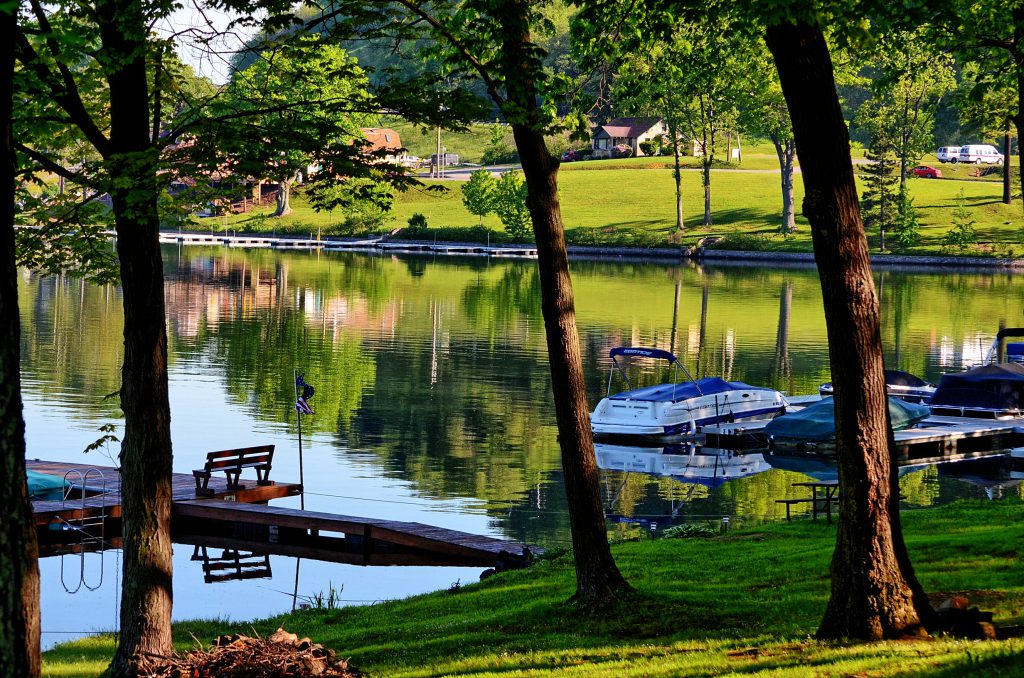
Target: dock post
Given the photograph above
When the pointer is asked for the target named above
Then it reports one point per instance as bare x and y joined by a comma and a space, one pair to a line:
298, 416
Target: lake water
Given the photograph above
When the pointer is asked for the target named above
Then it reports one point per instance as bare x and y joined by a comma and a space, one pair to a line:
432, 398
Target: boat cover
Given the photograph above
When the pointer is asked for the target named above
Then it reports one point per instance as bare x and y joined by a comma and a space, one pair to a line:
674, 393
817, 422
45, 486
901, 378
996, 387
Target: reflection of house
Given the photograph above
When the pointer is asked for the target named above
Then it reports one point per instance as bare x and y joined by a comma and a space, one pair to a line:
386, 141
626, 131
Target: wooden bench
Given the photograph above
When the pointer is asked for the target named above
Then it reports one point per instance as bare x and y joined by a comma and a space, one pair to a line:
232, 462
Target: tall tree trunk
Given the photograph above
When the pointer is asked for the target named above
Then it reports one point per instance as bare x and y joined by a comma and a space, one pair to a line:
706, 163
785, 150
873, 585
597, 578
284, 192
146, 448
903, 166
1007, 164
19, 572
677, 174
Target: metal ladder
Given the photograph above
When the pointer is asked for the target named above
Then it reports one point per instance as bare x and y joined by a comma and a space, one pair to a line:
91, 529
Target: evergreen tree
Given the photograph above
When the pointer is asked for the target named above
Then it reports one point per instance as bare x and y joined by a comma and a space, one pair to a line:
879, 202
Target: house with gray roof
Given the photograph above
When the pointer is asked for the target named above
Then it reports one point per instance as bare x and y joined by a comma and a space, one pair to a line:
626, 131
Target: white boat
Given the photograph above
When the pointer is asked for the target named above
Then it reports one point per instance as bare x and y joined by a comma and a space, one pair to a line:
898, 384
678, 408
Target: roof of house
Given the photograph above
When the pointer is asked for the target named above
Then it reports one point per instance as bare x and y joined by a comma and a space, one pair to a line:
382, 138
628, 127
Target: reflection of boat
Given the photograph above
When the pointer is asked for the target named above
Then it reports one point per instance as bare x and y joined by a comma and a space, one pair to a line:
685, 463
821, 469
677, 408
898, 384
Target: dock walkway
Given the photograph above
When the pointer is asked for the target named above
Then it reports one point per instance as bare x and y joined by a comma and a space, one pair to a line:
364, 245
242, 519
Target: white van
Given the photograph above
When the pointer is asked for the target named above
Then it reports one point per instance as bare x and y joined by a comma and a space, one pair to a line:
948, 154
979, 154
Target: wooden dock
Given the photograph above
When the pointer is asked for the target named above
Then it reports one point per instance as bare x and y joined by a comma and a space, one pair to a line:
937, 439
364, 245
240, 519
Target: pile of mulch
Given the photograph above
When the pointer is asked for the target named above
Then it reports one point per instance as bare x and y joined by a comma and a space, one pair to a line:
237, 656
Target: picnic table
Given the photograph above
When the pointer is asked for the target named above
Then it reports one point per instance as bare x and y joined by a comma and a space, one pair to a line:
824, 493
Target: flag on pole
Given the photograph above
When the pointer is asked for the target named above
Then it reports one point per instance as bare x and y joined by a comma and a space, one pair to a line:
305, 393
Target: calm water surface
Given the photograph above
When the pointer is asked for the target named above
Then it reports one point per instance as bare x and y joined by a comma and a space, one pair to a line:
432, 399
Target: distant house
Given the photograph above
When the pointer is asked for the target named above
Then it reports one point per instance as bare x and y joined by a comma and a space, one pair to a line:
628, 131
387, 140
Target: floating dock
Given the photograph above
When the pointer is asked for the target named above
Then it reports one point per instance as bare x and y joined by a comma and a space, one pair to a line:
240, 519
935, 440
364, 245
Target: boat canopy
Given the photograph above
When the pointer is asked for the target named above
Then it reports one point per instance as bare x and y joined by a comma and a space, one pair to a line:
996, 387
674, 393
901, 378
817, 422
642, 353
45, 486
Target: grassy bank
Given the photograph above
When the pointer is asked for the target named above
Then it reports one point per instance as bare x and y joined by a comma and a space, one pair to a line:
745, 602
631, 202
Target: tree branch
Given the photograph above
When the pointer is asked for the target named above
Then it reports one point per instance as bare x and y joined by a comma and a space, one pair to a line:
51, 166
64, 93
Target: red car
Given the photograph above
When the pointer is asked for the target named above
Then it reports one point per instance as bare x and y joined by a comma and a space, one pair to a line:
926, 172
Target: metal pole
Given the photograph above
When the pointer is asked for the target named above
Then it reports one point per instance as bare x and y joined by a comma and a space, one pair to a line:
298, 414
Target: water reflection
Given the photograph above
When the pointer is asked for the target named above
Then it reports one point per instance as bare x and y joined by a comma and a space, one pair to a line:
433, 399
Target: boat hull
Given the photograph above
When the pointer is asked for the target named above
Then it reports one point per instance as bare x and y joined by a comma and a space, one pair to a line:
617, 418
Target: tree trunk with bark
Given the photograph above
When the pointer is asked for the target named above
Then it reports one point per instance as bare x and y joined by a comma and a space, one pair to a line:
19, 572
873, 585
598, 579
1007, 164
677, 174
786, 151
146, 448
706, 177
284, 193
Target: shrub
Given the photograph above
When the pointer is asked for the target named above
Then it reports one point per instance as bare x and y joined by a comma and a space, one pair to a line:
962, 235
689, 530
478, 193
622, 151
510, 204
417, 225
905, 227
652, 147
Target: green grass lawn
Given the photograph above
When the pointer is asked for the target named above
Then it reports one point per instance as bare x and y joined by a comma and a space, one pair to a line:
747, 602
631, 202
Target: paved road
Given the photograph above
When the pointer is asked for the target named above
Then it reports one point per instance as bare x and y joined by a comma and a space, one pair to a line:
462, 173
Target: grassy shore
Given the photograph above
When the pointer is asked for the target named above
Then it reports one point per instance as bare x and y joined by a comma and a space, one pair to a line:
631, 202
746, 602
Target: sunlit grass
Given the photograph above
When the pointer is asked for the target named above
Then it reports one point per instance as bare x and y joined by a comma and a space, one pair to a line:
743, 602
631, 202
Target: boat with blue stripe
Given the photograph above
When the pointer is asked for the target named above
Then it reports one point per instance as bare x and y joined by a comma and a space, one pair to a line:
677, 408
